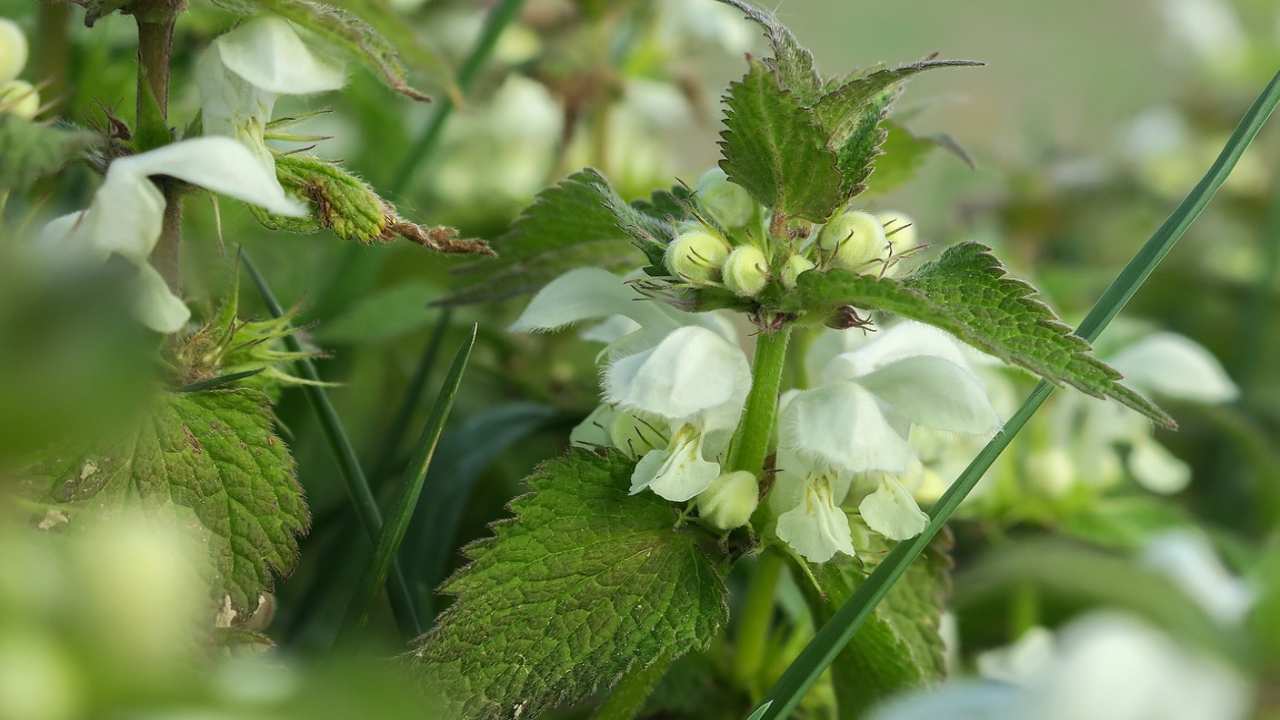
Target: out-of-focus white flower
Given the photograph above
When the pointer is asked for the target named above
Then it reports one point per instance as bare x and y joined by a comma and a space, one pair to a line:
706, 23
126, 216
13, 50
858, 421
1026, 658
1106, 665
244, 72
1211, 29
1190, 561
696, 382
19, 97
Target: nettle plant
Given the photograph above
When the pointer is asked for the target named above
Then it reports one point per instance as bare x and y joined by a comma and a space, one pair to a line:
614, 566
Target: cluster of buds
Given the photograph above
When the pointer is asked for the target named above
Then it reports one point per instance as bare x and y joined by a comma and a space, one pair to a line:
730, 246
17, 97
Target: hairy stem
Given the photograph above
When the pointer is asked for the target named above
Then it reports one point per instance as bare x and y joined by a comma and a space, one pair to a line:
751, 441
755, 620
156, 22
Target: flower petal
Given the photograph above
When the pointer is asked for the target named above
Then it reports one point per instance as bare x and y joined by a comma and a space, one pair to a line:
1189, 560
690, 374
593, 432
610, 330
682, 473
843, 425
1157, 469
156, 306
268, 53
935, 393
589, 294
892, 512
219, 164
1175, 366
904, 340
816, 528
1027, 657
955, 700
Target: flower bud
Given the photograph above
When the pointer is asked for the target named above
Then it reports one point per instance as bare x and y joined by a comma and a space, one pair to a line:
634, 436
746, 272
696, 256
728, 203
795, 265
20, 98
900, 230
856, 238
13, 50
1051, 470
730, 500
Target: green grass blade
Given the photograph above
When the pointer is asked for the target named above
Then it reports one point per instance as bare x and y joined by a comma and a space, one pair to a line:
390, 451
394, 531
834, 635
357, 484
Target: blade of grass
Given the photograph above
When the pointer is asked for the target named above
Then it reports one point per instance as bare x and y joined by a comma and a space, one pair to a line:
357, 484
835, 634
394, 438
393, 532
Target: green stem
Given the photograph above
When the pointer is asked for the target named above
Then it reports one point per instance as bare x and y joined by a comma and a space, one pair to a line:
751, 442
156, 25
1024, 613
628, 697
755, 621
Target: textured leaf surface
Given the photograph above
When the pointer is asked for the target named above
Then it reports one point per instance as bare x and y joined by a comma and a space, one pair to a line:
900, 647
774, 148
585, 584
792, 62
842, 110
580, 221
967, 292
345, 30
30, 151
216, 455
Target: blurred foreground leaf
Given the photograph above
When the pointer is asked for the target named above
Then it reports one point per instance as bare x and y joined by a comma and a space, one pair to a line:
30, 150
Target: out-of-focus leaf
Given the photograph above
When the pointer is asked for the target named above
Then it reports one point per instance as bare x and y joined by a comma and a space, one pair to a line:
30, 150
388, 313
904, 153
586, 584
1125, 522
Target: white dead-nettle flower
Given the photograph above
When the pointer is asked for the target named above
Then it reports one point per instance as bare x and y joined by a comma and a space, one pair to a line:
244, 72
857, 421
126, 216
1189, 560
1104, 665
1163, 364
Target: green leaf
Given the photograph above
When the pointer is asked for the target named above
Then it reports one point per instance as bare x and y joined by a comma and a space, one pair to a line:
216, 454
1126, 521
30, 150
842, 110
900, 647
902, 154
967, 293
791, 62
389, 313
774, 148
345, 30
580, 221
583, 586
832, 637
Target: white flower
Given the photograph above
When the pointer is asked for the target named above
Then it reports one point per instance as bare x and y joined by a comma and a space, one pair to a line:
243, 73
127, 214
1105, 665
1189, 560
859, 419
696, 382
807, 499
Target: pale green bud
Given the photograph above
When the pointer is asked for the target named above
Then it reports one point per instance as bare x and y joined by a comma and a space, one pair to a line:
696, 256
900, 230
13, 50
1052, 470
746, 272
729, 203
856, 238
795, 265
20, 98
730, 500
634, 436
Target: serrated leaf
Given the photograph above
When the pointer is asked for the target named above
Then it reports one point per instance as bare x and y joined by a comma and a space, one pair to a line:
773, 147
902, 154
30, 150
856, 156
968, 293
842, 110
343, 29
791, 61
579, 221
585, 584
900, 647
216, 455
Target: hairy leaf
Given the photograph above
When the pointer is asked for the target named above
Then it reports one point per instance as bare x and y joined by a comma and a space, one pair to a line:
345, 30
215, 455
841, 111
774, 148
856, 157
967, 292
580, 221
900, 647
585, 584
791, 61
30, 150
